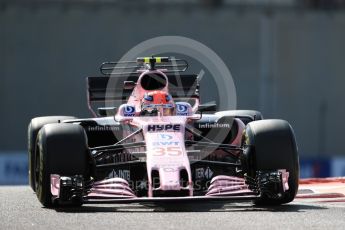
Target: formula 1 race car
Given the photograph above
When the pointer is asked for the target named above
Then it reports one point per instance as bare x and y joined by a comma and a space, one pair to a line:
159, 145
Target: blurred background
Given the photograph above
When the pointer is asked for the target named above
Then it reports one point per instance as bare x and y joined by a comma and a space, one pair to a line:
287, 58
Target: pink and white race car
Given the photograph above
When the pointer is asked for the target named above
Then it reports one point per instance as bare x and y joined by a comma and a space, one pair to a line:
160, 145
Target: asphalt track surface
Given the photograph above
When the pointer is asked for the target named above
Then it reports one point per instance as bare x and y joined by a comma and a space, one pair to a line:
20, 209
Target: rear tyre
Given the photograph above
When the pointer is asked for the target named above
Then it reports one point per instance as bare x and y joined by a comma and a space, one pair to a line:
35, 125
271, 145
61, 149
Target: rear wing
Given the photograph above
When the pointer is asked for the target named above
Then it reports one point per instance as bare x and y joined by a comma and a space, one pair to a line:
170, 65
112, 90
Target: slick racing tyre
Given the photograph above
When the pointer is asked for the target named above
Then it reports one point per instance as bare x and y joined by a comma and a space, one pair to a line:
35, 125
270, 145
61, 149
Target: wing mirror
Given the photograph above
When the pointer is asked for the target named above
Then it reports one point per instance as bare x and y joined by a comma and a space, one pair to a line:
129, 85
106, 111
211, 107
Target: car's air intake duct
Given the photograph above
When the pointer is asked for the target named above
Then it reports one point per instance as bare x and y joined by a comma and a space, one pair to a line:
183, 178
155, 179
153, 81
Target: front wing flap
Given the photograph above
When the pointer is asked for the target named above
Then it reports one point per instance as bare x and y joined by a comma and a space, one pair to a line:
223, 189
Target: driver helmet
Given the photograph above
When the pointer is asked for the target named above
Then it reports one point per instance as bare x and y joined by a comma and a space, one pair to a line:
158, 101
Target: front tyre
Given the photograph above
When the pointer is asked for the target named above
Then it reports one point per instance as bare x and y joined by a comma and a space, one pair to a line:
270, 145
34, 127
61, 149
